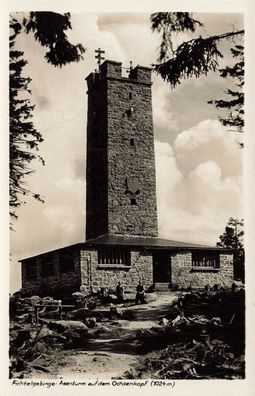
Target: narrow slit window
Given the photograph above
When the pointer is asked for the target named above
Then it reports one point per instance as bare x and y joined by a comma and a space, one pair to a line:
130, 95
133, 201
132, 142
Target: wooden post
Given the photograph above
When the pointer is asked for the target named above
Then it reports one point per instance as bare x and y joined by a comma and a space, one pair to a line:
36, 315
60, 312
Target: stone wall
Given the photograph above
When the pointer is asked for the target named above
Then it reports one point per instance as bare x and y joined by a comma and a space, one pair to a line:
94, 275
88, 275
132, 206
184, 276
96, 169
121, 183
57, 283
141, 73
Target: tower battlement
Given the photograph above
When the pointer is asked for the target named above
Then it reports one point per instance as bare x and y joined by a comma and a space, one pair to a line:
111, 69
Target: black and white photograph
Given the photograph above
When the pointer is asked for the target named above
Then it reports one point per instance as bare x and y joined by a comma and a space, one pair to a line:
126, 196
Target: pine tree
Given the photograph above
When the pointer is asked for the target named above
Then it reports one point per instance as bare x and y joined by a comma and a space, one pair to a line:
234, 102
232, 238
197, 57
24, 138
49, 29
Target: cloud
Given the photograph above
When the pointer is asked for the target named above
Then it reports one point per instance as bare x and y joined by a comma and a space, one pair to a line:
163, 117
134, 36
208, 172
198, 189
209, 141
168, 176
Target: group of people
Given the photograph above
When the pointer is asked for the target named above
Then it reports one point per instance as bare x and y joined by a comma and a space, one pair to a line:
140, 293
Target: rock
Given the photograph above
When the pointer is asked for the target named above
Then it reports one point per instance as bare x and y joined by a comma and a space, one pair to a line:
80, 299
70, 325
40, 347
78, 314
46, 340
115, 312
238, 284
49, 314
102, 329
149, 297
45, 332
75, 332
78, 295
91, 322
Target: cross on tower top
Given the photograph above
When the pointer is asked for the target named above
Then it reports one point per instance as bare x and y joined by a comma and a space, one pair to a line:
99, 58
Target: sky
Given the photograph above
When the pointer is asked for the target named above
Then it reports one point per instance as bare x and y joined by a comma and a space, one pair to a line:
199, 168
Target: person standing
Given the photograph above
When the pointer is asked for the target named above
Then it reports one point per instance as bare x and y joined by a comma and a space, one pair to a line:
140, 293
120, 293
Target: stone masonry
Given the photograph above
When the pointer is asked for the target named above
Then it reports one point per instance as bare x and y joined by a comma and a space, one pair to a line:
58, 281
88, 275
120, 153
94, 275
185, 276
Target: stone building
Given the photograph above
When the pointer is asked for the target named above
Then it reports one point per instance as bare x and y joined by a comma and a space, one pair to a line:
122, 241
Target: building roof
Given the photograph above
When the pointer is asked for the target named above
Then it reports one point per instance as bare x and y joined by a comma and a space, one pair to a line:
150, 243
146, 242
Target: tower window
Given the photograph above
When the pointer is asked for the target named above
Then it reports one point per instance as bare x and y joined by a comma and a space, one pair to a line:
130, 95
133, 201
132, 142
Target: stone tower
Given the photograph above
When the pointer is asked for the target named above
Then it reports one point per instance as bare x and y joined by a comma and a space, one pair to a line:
121, 185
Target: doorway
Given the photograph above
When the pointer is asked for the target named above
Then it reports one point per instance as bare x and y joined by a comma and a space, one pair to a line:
161, 267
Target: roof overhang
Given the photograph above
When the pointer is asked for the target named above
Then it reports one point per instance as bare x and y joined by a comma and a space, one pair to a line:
130, 241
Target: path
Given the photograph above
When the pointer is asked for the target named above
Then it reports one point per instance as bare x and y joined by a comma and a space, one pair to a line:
114, 352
